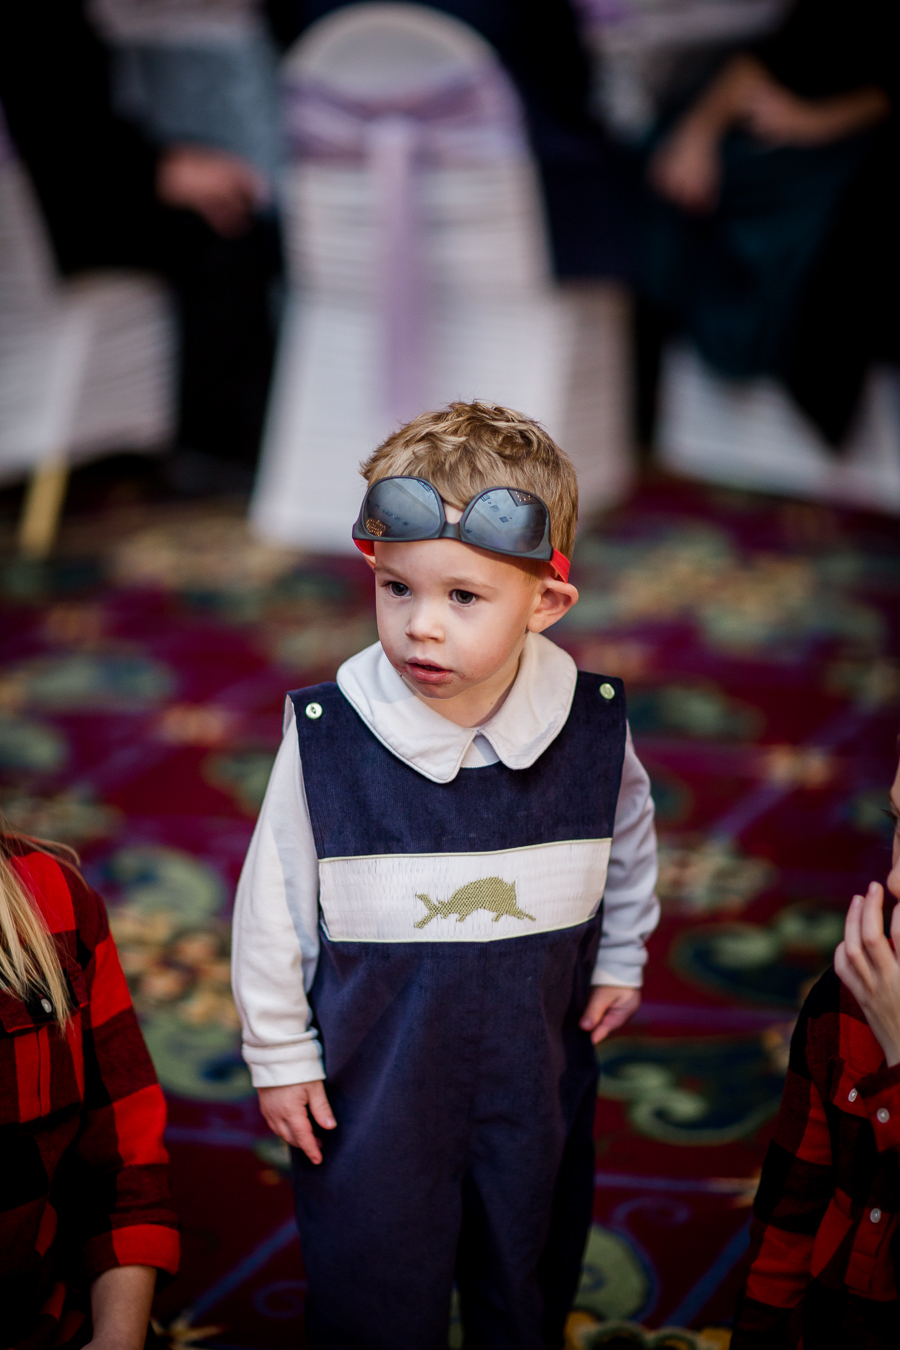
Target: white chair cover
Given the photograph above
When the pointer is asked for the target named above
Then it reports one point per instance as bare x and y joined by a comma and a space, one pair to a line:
418, 259
86, 366
749, 434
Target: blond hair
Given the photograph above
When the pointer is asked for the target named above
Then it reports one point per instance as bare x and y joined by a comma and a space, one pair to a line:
465, 448
29, 961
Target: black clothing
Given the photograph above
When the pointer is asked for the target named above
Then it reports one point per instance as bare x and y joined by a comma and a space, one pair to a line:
826, 47
795, 273
94, 174
847, 317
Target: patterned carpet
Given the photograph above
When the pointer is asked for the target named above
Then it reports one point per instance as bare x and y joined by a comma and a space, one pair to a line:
140, 708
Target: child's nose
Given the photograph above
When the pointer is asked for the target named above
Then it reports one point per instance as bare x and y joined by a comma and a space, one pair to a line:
425, 622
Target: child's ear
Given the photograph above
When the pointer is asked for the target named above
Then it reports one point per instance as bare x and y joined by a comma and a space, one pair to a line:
367, 557
556, 598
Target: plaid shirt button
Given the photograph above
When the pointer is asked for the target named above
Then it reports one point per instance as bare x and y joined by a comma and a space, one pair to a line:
852, 1095
883, 1114
875, 1215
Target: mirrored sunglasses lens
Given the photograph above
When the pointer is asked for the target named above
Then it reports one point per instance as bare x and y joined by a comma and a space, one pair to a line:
506, 519
401, 508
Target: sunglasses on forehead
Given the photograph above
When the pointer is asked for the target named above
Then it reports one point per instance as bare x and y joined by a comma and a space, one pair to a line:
502, 519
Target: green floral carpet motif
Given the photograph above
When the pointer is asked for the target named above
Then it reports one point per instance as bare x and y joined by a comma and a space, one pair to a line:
141, 692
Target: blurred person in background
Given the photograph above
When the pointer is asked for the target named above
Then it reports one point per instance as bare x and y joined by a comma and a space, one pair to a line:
772, 240
160, 152
85, 1216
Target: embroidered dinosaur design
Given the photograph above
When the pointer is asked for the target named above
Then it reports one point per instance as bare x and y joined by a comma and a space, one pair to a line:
490, 893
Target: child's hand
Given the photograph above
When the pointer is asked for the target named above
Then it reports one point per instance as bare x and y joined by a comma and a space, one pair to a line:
609, 1006
285, 1110
870, 967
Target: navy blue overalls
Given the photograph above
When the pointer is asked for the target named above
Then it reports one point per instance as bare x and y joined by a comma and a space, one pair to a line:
459, 929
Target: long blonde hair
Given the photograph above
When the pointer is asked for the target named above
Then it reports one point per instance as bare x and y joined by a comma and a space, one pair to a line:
29, 961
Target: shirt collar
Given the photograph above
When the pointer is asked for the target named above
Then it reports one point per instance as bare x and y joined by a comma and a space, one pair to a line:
532, 716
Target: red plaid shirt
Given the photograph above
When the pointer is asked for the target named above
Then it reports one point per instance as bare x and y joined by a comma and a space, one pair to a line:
83, 1184
824, 1252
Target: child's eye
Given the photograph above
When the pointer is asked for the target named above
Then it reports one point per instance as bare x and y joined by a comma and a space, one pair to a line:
397, 588
463, 597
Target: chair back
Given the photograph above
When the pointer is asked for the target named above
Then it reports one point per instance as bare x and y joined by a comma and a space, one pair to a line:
411, 184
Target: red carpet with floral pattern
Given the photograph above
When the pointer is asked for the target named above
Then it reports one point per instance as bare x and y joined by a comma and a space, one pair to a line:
140, 707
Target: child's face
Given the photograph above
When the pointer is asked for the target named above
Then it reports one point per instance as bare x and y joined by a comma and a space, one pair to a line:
452, 620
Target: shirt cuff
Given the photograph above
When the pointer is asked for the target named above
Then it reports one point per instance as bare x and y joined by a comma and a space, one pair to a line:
295, 1064
142, 1244
622, 966
614, 981
881, 1096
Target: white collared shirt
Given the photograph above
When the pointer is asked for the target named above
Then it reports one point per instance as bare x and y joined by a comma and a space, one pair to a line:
276, 918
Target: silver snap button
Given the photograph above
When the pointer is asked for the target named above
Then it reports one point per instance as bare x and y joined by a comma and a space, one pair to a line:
875, 1215
46, 1005
607, 691
852, 1095
883, 1114
314, 711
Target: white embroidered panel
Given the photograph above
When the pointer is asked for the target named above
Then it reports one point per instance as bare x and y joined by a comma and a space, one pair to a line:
462, 897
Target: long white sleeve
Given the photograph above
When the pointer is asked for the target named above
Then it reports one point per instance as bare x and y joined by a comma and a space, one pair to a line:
276, 930
630, 908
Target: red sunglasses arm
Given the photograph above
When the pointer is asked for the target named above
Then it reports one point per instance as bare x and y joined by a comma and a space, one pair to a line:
560, 564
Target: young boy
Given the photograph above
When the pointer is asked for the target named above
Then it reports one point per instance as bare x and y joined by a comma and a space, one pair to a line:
444, 904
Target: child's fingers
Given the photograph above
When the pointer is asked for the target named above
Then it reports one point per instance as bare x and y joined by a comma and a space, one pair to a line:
597, 1005
853, 943
318, 1105
612, 1018
846, 973
607, 1024
600, 1032
616, 1015
851, 922
872, 929
303, 1138
294, 1128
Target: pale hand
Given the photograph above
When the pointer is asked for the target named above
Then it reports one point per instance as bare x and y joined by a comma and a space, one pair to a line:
609, 1007
687, 169
224, 189
287, 1111
869, 966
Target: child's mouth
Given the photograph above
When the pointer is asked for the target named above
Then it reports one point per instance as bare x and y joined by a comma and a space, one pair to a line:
427, 672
